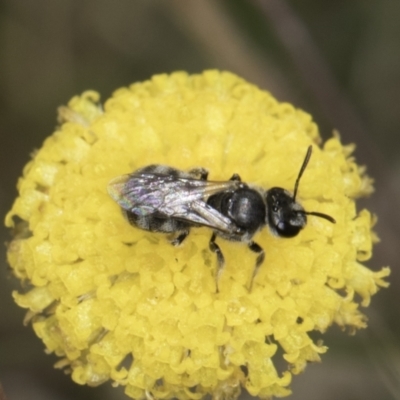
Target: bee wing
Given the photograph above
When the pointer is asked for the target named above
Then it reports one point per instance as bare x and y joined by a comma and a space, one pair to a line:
203, 214
166, 195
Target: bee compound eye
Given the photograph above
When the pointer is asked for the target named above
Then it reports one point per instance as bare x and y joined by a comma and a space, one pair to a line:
287, 230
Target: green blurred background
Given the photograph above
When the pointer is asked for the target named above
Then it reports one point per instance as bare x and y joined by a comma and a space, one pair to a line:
338, 60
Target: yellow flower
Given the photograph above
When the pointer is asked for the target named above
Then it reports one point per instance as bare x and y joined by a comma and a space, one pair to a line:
119, 303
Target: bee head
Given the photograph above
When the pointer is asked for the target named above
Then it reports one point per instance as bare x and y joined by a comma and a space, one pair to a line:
286, 217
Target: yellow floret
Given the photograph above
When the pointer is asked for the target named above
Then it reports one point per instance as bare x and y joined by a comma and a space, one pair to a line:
118, 303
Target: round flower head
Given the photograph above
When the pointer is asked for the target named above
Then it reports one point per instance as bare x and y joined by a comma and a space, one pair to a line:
118, 303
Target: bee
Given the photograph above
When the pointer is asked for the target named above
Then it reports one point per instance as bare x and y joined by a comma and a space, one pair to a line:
159, 198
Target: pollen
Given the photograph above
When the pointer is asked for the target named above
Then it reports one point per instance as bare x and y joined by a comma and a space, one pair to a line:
117, 303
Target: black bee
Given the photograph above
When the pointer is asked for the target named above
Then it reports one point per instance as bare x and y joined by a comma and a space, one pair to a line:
163, 199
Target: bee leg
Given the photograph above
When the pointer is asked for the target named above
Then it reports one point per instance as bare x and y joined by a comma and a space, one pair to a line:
200, 173
236, 177
180, 238
256, 248
220, 257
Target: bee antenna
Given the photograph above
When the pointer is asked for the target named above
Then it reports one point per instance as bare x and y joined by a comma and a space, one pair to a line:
302, 169
321, 215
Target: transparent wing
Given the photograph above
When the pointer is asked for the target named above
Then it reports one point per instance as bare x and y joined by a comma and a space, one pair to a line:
145, 194
204, 214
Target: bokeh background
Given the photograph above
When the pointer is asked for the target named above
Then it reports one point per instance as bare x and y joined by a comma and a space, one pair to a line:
338, 60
